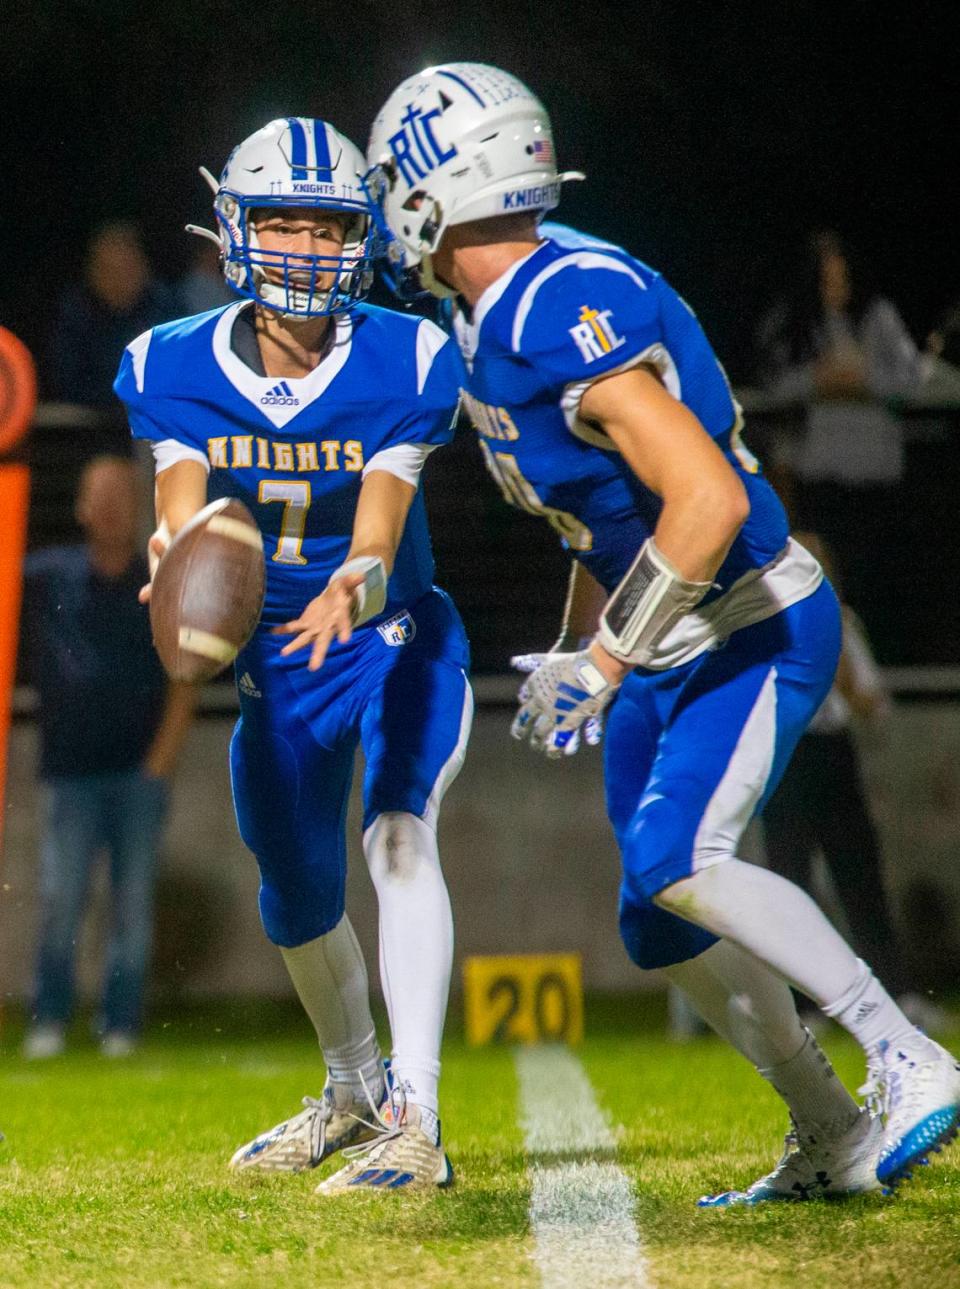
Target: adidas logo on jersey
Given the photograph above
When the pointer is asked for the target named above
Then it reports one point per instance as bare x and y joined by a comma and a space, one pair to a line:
398, 630
246, 686
280, 396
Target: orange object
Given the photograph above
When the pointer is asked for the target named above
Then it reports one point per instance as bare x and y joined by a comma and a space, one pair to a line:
18, 400
18, 390
14, 499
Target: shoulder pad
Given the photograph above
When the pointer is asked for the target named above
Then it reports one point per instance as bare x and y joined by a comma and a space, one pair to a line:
586, 313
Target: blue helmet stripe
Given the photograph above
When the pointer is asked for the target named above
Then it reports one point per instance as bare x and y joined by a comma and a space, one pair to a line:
298, 149
452, 76
324, 169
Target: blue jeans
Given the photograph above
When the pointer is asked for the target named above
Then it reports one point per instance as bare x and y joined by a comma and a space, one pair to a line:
124, 813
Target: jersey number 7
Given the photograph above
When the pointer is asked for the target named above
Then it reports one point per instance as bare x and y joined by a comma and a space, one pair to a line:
295, 496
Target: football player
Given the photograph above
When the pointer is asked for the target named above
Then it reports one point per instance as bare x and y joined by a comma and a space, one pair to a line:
601, 406
318, 411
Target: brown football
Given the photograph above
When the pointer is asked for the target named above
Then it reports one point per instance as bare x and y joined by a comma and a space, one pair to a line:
207, 591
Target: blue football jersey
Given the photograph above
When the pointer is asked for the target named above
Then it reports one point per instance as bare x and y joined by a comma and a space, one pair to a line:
294, 450
571, 311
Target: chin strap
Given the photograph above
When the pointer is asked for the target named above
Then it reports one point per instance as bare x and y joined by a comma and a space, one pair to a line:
430, 282
208, 233
195, 228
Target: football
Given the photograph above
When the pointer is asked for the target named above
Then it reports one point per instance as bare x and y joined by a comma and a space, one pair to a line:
207, 591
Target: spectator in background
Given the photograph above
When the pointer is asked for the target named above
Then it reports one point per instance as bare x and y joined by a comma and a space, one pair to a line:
111, 728
202, 287
844, 352
944, 339
95, 320
943, 350
821, 804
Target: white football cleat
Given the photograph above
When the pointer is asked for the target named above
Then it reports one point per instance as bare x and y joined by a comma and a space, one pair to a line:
407, 1155
917, 1090
816, 1167
43, 1041
326, 1125
117, 1044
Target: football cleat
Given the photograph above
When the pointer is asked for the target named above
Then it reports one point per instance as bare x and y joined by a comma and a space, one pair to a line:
327, 1124
815, 1167
117, 1044
44, 1041
405, 1155
918, 1093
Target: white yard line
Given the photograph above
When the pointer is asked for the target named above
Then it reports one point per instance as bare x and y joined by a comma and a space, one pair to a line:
581, 1211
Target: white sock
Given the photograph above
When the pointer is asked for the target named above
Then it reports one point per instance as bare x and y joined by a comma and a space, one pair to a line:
868, 1012
330, 978
780, 924
771, 918
753, 1009
809, 1085
416, 947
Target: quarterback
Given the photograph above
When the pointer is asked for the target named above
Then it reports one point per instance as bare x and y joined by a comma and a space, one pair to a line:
318, 411
709, 634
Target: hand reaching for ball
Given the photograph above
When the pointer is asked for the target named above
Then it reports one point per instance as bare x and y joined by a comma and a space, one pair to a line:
329, 615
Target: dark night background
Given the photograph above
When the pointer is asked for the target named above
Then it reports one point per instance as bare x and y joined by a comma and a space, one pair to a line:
713, 135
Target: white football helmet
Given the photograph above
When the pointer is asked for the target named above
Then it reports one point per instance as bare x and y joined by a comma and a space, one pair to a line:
293, 162
457, 142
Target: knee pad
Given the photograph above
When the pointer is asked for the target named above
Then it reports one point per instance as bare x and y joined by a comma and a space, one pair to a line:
292, 918
655, 938
690, 890
398, 847
657, 848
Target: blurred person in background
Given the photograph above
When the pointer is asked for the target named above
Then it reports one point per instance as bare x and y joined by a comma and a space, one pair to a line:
821, 803
943, 354
202, 287
944, 339
117, 298
841, 349
111, 729
95, 319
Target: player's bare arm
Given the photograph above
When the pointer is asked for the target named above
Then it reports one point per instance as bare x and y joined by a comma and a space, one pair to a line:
382, 510
180, 491
704, 503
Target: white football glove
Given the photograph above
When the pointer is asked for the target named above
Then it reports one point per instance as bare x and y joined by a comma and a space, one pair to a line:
564, 694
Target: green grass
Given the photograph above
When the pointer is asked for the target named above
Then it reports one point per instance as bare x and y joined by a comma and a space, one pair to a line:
113, 1174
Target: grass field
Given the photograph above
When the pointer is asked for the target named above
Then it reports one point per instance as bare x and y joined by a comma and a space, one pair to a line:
113, 1174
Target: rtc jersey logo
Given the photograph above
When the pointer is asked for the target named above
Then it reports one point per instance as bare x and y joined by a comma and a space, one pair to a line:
399, 630
415, 147
594, 334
